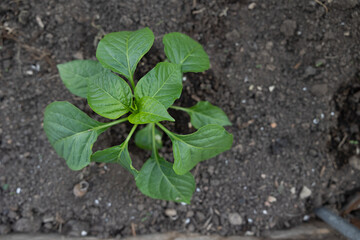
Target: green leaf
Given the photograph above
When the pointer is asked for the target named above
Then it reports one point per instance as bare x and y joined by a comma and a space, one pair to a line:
71, 132
121, 51
75, 75
204, 113
117, 154
163, 83
203, 144
183, 50
149, 110
143, 138
109, 95
158, 180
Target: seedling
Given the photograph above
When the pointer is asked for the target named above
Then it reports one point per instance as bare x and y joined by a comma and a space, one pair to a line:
72, 133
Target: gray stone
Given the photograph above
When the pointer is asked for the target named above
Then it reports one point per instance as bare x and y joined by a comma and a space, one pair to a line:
27, 225
288, 28
200, 216
235, 219
309, 71
354, 161
319, 89
4, 229
74, 228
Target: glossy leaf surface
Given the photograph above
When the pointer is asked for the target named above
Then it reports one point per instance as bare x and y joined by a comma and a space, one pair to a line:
203, 144
121, 51
183, 50
143, 138
163, 83
149, 111
204, 113
109, 95
158, 180
71, 132
117, 154
75, 75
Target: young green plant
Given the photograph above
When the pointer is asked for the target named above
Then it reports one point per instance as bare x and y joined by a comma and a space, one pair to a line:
72, 133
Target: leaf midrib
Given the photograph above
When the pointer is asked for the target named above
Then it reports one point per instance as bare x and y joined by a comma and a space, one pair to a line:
158, 163
117, 100
163, 84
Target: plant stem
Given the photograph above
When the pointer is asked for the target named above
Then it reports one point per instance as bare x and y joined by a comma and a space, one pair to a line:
112, 123
130, 134
181, 108
164, 129
131, 79
153, 137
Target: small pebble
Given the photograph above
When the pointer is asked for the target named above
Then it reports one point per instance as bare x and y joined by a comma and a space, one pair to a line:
29, 72
305, 193
265, 212
235, 219
250, 220
96, 202
273, 125
316, 121
18, 190
83, 233
187, 221
170, 212
252, 6
306, 218
271, 199
271, 88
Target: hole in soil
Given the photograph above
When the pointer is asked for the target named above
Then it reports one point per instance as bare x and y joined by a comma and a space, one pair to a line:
345, 137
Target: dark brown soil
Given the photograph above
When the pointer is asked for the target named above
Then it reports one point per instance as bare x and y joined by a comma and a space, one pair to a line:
284, 71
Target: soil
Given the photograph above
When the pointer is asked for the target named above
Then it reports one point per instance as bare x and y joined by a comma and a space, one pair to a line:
285, 72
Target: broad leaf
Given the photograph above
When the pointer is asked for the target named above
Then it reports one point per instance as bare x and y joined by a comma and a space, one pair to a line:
109, 95
149, 110
204, 113
183, 50
203, 144
163, 83
75, 75
117, 154
121, 51
158, 180
71, 132
143, 138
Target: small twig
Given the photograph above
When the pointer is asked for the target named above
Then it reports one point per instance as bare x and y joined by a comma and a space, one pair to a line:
342, 141
196, 170
133, 231
322, 4
198, 11
194, 4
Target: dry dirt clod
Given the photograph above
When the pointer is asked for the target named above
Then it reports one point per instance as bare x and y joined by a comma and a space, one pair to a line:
80, 189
